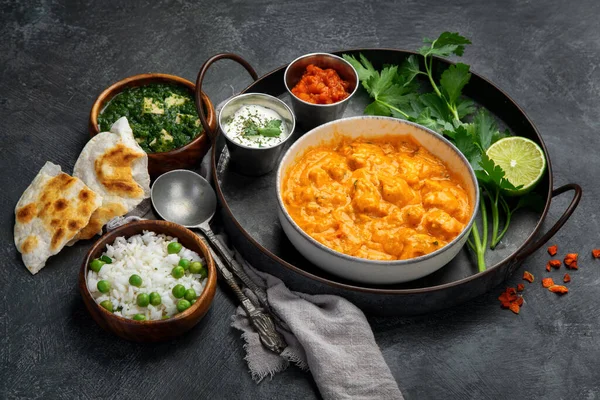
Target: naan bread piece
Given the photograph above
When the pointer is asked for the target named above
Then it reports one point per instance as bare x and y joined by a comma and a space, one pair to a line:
115, 166
51, 211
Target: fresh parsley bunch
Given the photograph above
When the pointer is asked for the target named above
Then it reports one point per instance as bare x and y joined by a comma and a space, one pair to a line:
440, 106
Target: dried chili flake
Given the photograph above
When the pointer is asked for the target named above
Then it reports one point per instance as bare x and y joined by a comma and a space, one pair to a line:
548, 267
528, 276
596, 253
560, 289
520, 287
554, 263
552, 250
519, 301
567, 278
514, 307
570, 259
573, 265
547, 282
508, 297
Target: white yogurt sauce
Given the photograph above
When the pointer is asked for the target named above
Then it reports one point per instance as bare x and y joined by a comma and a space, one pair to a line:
234, 127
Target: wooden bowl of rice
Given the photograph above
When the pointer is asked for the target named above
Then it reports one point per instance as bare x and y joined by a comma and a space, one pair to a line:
150, 330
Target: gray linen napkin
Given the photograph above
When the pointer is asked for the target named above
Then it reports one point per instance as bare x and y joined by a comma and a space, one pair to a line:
325, 333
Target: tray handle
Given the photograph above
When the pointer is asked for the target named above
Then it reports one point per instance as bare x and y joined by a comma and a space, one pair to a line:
561, 221
213, 134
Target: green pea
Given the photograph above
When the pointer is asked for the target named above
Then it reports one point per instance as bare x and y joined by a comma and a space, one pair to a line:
135, 280
203, 272
195, 267
183, 305
178, 272
174, 248
155, 299
192, 302
165, 317
190, 294
106, 259
103, 286
184, 263
139, 317
107, 304
178, 291
96, 265
143, 300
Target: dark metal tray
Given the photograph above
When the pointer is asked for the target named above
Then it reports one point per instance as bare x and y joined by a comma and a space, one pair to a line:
248, 211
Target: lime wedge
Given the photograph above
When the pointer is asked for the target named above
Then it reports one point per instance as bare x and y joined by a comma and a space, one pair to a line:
522, 160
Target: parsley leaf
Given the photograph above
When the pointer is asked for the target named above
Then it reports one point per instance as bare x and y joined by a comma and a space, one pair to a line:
464, 107
484, 129
464, 142
447, 44
364, 68
408, 70
437, 106
379, 82
493, 174
453, 80
376, 108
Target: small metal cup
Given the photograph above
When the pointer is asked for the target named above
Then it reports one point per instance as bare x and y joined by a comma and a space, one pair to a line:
310, 115
255, 161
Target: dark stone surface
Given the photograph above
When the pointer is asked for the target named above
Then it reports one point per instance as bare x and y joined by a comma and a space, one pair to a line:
56, 57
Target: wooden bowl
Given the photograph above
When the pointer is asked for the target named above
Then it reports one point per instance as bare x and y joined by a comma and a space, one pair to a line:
150, 331
185, 157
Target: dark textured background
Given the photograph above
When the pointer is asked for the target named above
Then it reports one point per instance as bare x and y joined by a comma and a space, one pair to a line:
55, 57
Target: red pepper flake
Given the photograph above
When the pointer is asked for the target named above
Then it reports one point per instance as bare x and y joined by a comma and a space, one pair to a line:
514, 307
547, 282
573, 265
520, 287
567, 278
554, 264
519, 301
552, 250
548, 267
570, 259
528, 277
509, 299
596, 253
560, 289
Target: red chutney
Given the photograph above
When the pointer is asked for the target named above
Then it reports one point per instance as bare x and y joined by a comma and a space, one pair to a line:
321, 86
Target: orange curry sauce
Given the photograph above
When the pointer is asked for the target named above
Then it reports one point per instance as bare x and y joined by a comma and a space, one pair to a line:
321, 86
384, 198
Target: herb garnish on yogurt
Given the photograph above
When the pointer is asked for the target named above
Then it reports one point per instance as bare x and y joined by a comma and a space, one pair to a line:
256, 126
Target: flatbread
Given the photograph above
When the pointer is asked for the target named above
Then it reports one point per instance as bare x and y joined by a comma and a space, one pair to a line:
113, 165
51, 211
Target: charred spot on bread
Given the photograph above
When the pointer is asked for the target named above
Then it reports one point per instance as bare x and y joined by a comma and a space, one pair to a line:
29, 244
113, 170
26, 213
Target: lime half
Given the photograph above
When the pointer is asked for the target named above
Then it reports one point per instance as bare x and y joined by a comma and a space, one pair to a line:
522, 160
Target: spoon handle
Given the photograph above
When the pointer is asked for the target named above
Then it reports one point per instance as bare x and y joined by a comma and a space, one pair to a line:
237, 268
262, 321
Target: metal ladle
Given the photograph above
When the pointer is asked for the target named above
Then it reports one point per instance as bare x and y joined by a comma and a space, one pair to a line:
186, 198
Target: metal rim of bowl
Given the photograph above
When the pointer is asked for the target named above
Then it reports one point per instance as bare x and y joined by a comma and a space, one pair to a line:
269, 98
327, 55
109, 314
393, 263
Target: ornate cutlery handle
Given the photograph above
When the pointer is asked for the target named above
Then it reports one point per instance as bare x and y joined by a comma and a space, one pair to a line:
262, 322
237, 269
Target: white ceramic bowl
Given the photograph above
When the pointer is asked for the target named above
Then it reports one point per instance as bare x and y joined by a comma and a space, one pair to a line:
361, 269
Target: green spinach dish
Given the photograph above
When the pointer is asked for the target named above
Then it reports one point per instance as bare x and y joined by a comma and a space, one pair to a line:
163, 117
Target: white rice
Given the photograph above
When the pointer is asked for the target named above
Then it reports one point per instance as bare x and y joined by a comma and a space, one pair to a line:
145, 255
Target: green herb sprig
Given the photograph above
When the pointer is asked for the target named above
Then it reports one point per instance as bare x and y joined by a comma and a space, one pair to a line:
272, 128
